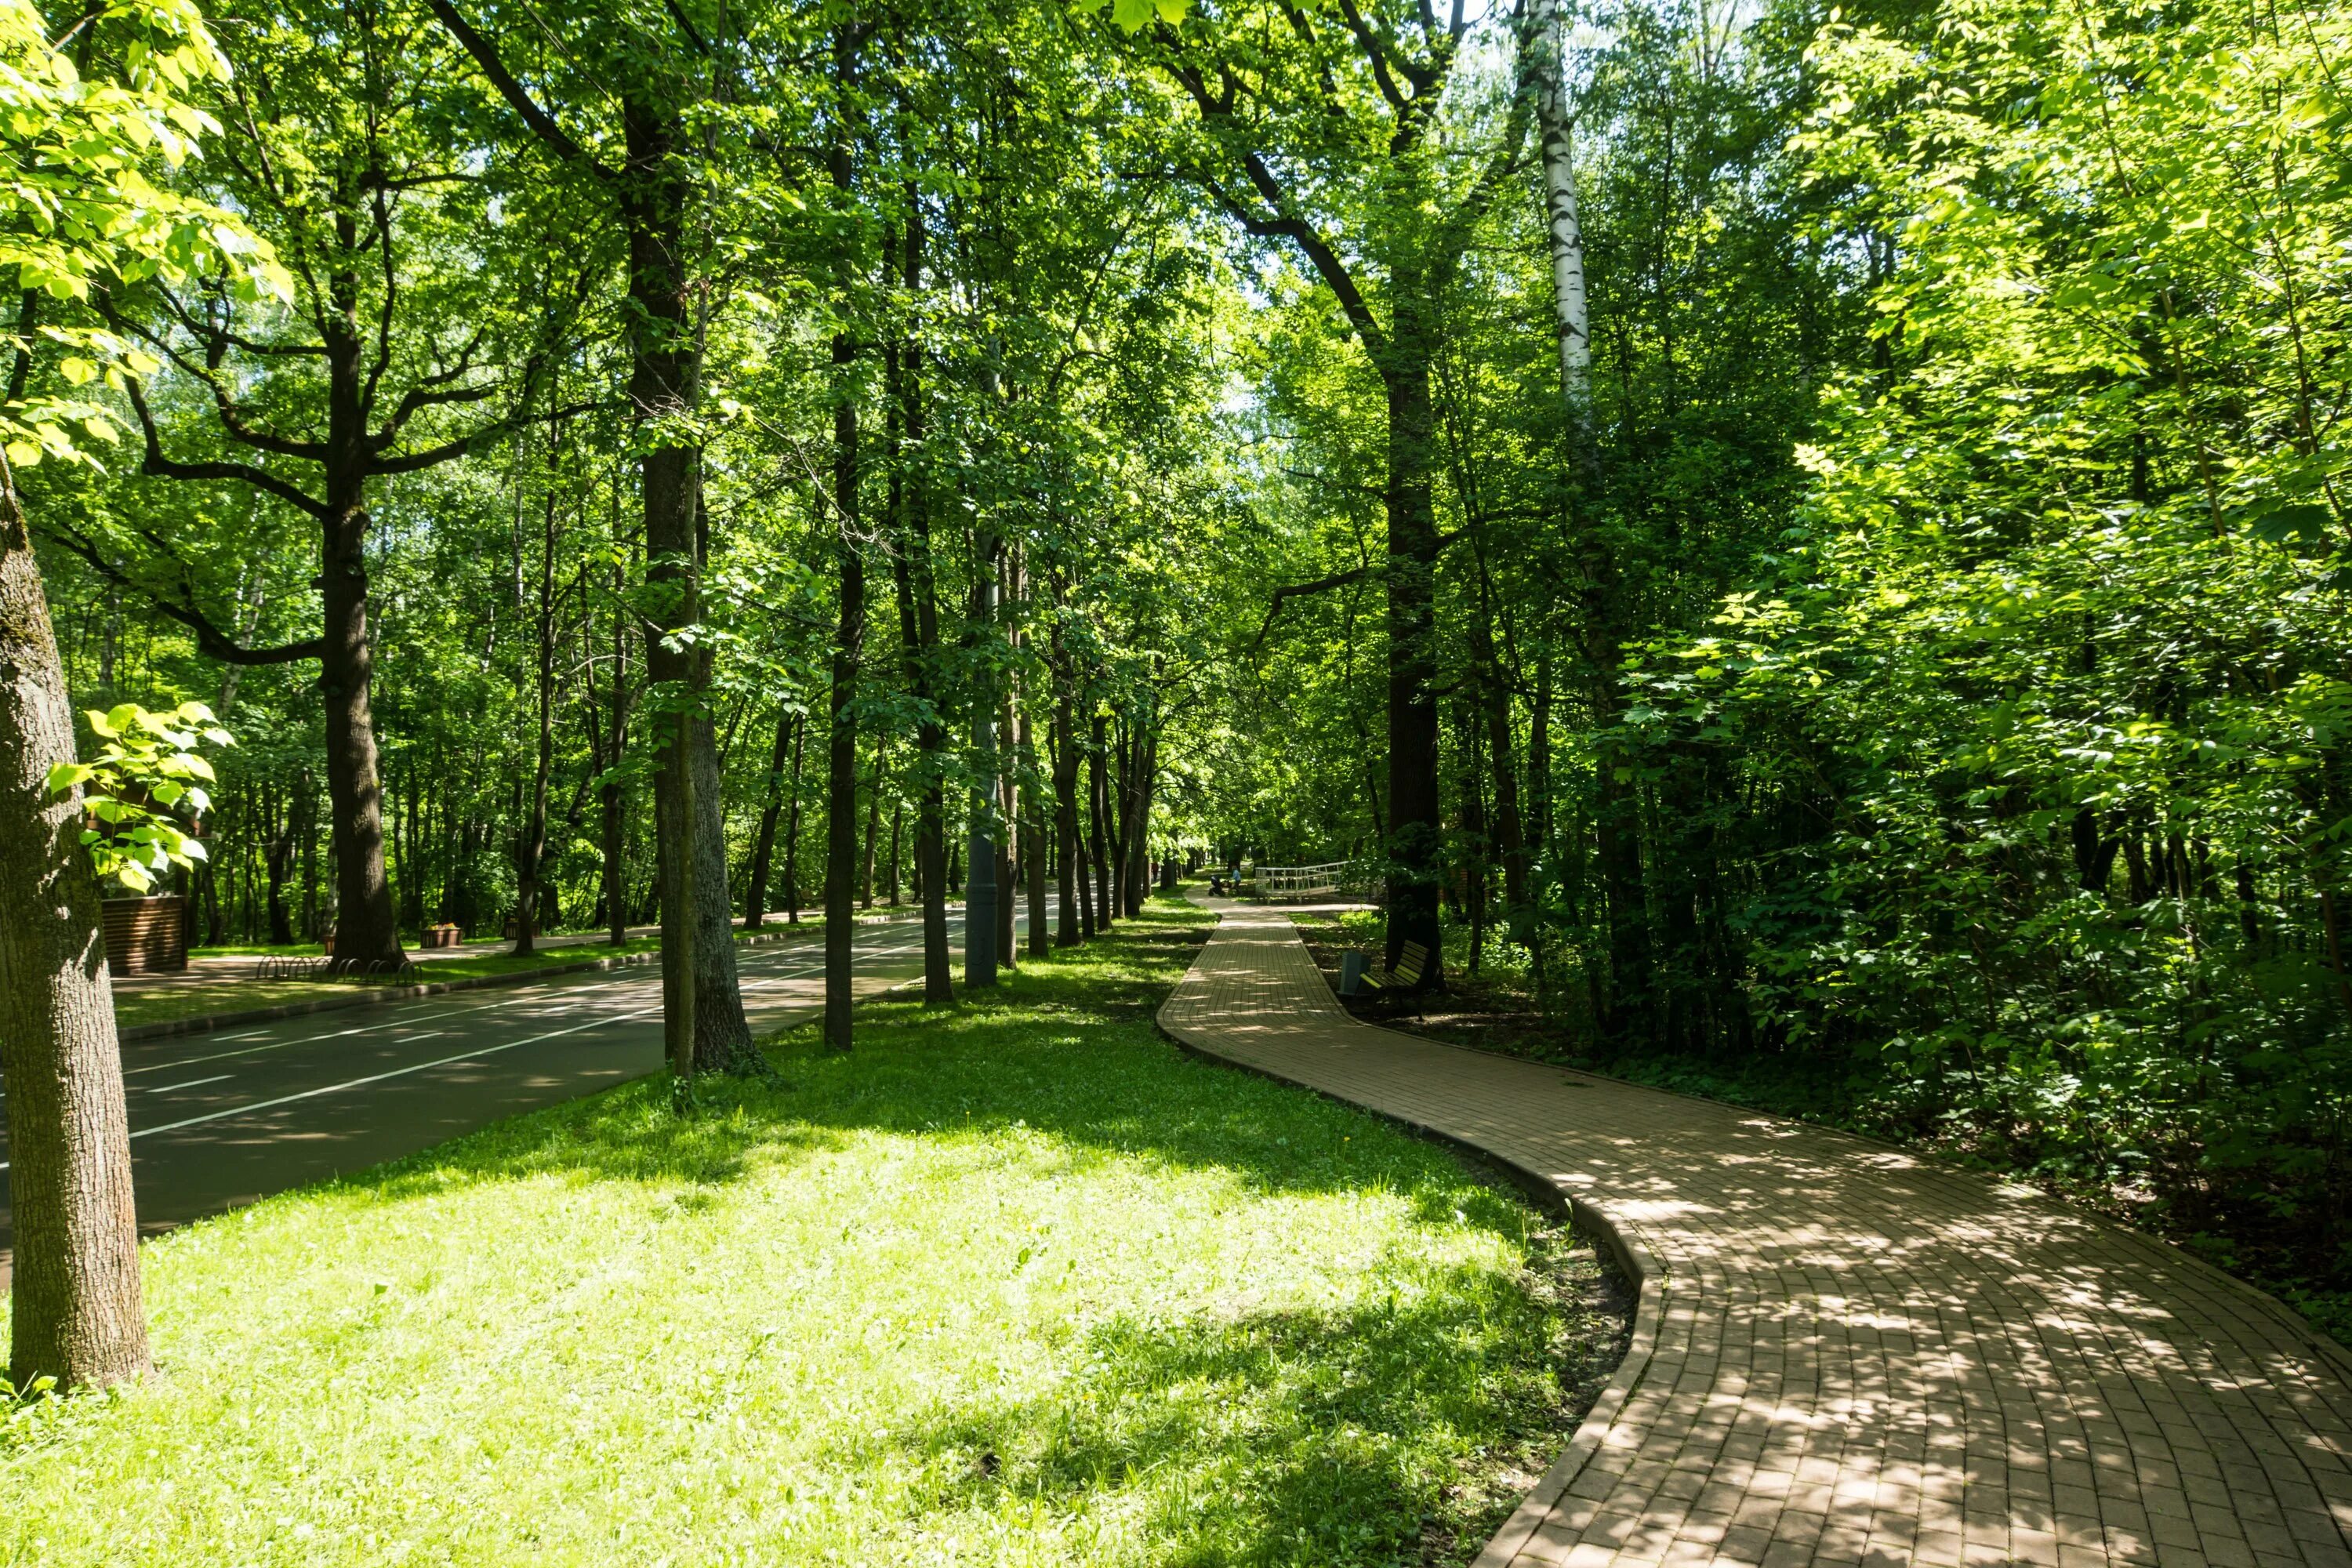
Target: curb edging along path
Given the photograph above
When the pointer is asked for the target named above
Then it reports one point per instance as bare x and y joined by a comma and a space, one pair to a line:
1843, 1354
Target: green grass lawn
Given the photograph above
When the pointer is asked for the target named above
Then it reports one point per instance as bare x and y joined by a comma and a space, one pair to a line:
1020, 1284
259, 950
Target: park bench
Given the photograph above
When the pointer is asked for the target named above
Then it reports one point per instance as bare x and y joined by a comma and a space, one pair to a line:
1411, 963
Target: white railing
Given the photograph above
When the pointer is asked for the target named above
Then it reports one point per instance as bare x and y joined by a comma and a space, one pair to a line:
1332, 879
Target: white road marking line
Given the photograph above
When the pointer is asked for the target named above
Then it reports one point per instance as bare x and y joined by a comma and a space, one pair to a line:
191, 1083
379, 1078
375, 1078
446, 1013
586, 982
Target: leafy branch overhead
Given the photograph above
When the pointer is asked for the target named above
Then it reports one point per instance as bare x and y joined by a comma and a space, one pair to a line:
144, 791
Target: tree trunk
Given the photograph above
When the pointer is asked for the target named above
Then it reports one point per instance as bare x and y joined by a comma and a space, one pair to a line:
1539, 807
680, 998
532, 853
983, 886
366, 929
1008, 819
412, 856
873, 827
1510, 832
215, 920
792, 825
1136, 846
1416, 831
1122, 817
1473, 836
279, 865
1564, 231
841, 770
664, 372
75, 1307
1147, 770
612, 799
764, 847
1617, 828
1035, 848
918, 631
849, 641
1077, 913
1098, 812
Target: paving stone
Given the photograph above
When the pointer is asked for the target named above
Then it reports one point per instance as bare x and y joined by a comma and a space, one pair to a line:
1850, 1353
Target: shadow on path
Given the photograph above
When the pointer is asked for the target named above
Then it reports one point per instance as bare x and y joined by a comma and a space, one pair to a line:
1843, 1354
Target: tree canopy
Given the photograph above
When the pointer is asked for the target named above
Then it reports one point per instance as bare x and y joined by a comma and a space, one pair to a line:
1816, 534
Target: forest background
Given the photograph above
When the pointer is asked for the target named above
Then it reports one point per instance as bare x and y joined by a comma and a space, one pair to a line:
1901, 676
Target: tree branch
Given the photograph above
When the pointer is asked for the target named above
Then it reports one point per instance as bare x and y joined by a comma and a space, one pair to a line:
236, 341
232, 419
160, 466
1337, 580
1376, 51
419, 398
1299, 232
448, 451
212, 641
382, 211
542, 124
1304, 590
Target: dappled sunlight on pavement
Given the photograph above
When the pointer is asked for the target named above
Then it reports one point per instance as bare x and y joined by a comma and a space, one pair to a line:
1845, 1355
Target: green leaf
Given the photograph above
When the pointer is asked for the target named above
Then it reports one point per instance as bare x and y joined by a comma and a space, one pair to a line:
2303, 524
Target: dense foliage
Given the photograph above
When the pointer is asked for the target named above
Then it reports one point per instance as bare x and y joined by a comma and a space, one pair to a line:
1886, 628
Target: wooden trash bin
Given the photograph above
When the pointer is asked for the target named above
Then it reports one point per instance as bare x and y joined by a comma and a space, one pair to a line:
439, 936
146, 936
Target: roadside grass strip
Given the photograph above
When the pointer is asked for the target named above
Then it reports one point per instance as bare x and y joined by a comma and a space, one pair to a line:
1014, 1283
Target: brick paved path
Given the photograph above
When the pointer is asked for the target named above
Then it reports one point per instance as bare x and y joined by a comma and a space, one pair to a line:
1843, 1354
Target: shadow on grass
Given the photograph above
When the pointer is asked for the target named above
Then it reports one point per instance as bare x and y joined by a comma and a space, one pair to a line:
1395, 1427
1281, 1437
1065, 1047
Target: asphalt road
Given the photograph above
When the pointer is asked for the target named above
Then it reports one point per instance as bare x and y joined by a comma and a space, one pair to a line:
221, 1119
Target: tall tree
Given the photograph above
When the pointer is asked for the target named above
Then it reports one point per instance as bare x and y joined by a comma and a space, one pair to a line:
1311, 91
81, 213
343, 166
652, 190
849, 640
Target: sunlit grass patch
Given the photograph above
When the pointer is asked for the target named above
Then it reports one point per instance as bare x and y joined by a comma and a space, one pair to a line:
1015, 1283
